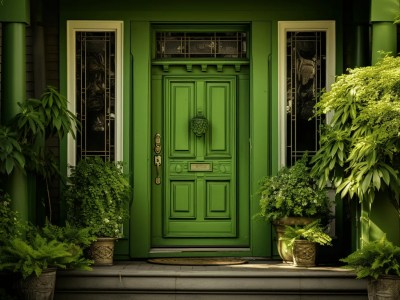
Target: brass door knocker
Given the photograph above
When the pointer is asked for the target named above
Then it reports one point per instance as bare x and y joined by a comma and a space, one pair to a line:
199, 124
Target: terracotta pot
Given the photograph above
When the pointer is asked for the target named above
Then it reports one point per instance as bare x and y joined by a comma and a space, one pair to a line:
284, 251
102, 251
384, 288
38, 287
304, 253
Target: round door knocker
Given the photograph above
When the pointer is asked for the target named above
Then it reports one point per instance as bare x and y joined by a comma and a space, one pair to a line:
199, 124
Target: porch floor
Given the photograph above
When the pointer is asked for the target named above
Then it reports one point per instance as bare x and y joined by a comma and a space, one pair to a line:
258, 279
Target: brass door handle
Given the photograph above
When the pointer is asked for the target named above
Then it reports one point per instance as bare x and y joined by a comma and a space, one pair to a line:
157, 163
157, 157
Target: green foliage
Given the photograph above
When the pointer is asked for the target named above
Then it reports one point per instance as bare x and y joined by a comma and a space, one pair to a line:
11, 155
312, 232
36, 253
293, 192
360, 147
37, 120
10, 223
30, 250
375, 259
69, 234
22, 141
97, 196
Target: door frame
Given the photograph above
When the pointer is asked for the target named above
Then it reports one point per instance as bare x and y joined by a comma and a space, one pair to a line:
262, 140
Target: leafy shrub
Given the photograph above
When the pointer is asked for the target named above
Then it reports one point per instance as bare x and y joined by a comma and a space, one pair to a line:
293, 192
97, 197
29, 250
10, 223
360, 148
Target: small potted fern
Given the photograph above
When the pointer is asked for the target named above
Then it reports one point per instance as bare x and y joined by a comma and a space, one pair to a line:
33, 254
379, 262
303, 241
97, 197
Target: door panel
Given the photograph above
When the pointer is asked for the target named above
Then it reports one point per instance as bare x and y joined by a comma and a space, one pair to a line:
203, 187
180, 108
197, 202
220, 109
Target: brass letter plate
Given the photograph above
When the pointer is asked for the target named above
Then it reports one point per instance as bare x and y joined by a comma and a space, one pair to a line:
200, 167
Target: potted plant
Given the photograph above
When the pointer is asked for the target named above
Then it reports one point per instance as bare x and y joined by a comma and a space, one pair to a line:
303, 241
34, 253
97, 197
292, 197
379, 262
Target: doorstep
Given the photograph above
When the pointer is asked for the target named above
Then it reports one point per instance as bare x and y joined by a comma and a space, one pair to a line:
254, 280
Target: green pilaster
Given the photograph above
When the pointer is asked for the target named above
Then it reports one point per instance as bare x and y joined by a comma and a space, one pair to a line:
140, 211
14, 91
260, 130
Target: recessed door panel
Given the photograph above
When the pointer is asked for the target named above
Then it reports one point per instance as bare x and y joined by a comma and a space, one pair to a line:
180, 107
220, 110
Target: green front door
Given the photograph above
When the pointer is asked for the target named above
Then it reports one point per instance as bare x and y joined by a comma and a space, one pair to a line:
200, 186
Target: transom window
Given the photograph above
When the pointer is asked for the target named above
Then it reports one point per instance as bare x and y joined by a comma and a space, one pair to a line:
201, 45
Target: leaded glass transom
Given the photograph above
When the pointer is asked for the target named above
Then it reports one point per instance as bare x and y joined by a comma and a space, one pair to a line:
201, 45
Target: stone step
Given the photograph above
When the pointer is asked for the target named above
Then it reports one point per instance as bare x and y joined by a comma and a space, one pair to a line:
256, 280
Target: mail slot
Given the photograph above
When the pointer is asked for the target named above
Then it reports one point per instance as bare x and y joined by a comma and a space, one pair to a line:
200, 167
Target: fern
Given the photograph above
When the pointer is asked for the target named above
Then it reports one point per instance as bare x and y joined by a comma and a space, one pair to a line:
35, 253
312, 232
375, 259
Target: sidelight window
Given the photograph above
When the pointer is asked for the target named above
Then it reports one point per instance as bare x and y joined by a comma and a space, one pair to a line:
306, 69
95, 88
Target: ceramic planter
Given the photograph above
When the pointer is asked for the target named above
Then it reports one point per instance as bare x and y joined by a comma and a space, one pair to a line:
385, 287
284, 251
38, 287
304, 253
102, 251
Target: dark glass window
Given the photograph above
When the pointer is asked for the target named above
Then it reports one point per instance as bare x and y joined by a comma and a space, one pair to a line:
95, 94
306, 77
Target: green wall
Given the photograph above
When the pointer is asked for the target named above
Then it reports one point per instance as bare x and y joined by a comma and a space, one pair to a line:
138, 19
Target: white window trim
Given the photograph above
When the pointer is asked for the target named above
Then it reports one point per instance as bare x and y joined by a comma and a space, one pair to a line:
283, 28
72, 28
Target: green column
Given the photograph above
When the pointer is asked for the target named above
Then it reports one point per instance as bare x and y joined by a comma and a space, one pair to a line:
384, 32
382, 218
384, 38
13, 69
14, 91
